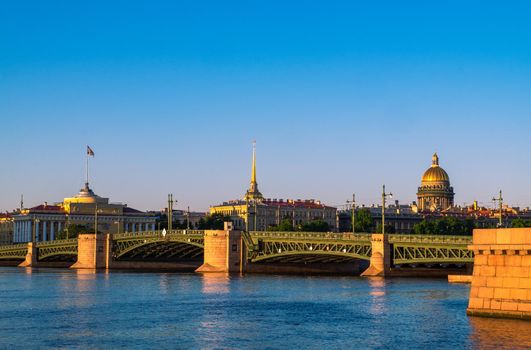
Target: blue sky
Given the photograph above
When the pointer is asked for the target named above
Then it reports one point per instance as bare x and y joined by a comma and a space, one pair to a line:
341, 97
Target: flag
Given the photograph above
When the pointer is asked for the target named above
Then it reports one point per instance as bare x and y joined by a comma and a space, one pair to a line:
90, 152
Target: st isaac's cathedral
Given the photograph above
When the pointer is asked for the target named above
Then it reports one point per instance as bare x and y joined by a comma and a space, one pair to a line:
435, 192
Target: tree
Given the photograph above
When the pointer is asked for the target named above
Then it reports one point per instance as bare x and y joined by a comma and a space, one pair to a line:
519, 222
363, 220
445, 226
74, 231
388, 228
285, 225
314, 226
213, 222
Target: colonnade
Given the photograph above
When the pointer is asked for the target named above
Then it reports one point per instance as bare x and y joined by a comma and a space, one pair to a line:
139, 226
45, 230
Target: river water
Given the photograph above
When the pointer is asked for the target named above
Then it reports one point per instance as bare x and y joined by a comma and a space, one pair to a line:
54, 308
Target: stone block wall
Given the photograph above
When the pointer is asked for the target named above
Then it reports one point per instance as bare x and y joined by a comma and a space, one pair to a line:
223, 250
501, 281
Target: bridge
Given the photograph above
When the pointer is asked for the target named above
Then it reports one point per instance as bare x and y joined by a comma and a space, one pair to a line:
247, 249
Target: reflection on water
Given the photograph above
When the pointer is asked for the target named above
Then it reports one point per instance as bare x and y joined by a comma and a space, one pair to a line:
497, 333
89, 309
215, 283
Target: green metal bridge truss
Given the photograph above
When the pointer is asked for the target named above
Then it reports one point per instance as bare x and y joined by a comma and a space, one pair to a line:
153, 245
64, 249
263, 246
308, 247
13, 251
428, 249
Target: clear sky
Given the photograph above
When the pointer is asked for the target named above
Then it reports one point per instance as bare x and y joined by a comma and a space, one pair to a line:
341, 96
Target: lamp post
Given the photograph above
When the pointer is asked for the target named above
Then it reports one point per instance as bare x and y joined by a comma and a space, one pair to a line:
255, 215
384, 197
188, 218
500, 204
170, 211
96, 220
34, 235
67, 224
247, 215
353, 208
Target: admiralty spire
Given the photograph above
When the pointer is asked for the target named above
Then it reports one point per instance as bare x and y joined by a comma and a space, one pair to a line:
253, 193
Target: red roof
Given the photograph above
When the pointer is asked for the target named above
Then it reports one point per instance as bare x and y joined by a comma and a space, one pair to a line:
45, 207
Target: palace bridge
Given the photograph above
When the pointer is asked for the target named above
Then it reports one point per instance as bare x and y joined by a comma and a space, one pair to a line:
227, 250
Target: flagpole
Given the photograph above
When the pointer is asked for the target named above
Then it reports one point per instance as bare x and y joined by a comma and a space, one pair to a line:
87, 168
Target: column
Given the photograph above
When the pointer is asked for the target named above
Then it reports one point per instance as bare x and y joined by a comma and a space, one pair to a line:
52, 230
44, 233
15, 232
59, 227
28, 231
134, 227
153, 226
37, 231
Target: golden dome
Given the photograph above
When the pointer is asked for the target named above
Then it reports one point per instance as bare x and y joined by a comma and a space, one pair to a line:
435, 173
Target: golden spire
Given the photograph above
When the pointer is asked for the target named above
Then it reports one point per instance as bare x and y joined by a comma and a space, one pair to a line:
435, 160
253, 193
253, 173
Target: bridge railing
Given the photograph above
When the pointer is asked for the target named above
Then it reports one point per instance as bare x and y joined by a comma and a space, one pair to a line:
71, 241
438, 239
14, 246
156, 233
366, 237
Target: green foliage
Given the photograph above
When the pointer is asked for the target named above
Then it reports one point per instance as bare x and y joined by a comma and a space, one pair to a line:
363, 220
74, 231
518, 223
285, 225
314, 226
213, 222
388, 228
445, 226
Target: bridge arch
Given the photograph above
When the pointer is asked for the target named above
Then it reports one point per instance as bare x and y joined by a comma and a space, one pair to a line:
158, 248
310, 257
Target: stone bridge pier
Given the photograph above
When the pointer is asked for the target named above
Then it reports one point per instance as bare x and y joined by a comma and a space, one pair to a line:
94, 251
223, 251
501, 281
380, 263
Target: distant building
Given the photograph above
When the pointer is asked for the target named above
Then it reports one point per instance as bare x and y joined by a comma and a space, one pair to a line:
256, 213
399, 216
435, 192
182, 218
6, 229
87, 209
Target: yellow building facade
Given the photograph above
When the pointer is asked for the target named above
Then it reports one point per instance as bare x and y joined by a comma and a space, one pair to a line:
6, 229
45, 222
256, 213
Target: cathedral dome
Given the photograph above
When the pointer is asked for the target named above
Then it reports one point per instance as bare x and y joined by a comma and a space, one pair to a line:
435, 173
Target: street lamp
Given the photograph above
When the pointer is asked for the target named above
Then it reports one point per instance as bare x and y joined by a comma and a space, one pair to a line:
67, 224
188, 218
384, 197
353, 203
500, 203
34, 235
170, 211
96, 211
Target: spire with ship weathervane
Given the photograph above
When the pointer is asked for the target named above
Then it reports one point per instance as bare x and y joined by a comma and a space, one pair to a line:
253, 193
